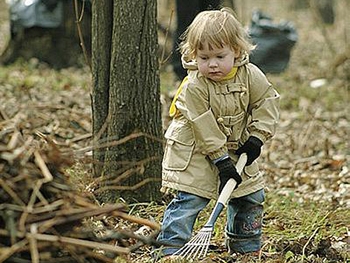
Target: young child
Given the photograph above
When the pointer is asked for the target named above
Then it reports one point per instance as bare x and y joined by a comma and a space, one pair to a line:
223, 108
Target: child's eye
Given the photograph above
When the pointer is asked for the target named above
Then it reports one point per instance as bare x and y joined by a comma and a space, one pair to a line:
203, 58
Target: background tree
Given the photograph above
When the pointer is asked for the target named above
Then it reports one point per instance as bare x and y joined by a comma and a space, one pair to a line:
127, 125
33, 34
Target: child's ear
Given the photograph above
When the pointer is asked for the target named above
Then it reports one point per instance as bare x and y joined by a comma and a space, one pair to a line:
237, 52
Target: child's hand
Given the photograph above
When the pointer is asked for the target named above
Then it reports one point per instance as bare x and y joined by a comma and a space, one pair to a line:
252, 147
227, 171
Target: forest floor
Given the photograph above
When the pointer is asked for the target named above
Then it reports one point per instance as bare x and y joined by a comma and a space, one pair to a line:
306, 165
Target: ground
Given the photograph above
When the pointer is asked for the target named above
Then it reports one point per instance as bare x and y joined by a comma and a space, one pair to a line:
306, 165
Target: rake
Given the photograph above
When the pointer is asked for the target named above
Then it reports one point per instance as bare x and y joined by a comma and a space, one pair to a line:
198, 245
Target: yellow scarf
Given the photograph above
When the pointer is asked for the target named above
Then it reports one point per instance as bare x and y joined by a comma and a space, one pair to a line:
231, 74
173, 109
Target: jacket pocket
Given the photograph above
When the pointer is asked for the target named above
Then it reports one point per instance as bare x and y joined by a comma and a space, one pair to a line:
179, 147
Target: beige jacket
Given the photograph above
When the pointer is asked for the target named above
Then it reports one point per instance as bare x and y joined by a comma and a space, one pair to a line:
215, 118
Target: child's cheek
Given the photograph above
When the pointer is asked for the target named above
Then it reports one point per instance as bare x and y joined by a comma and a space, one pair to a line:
202, 68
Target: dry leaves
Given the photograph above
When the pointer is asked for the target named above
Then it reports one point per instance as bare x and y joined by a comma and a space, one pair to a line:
42, 215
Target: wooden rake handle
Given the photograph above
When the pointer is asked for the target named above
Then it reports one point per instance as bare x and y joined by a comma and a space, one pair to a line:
231, 184
226, 192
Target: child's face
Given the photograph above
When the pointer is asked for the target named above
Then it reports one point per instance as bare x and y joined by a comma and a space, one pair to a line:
215, 63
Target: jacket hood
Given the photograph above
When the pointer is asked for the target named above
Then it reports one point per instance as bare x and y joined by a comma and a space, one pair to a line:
192, 64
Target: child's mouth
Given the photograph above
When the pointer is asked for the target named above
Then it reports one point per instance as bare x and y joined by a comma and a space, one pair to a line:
214, 73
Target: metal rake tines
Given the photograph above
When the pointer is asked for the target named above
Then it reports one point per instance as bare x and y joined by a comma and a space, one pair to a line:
198, 245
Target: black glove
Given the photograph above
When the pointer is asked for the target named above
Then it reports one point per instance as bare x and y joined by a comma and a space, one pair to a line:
227, 171
252, 147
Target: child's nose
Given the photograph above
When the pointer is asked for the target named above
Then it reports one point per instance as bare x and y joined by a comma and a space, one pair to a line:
213, 63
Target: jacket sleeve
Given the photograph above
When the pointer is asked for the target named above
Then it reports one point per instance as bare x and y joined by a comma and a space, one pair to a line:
263, 106
193, 103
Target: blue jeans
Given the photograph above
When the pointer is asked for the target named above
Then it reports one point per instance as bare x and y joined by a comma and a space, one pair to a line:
244, 223
243, 228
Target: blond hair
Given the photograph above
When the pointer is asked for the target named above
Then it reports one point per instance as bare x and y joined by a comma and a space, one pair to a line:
215, 28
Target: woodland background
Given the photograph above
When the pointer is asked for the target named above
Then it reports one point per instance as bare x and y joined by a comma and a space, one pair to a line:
306, 165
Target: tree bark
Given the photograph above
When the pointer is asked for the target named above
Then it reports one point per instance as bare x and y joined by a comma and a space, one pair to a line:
126, 99
102, 22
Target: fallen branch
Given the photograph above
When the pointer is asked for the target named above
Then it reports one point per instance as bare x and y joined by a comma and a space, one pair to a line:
80, 242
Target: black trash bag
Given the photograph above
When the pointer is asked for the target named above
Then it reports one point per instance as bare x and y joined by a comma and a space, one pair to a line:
274, 43
30, 13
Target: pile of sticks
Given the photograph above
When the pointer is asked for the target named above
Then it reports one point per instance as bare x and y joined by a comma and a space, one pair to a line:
43, 218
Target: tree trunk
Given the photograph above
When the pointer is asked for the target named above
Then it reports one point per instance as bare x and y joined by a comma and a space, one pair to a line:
127, 123
59, 47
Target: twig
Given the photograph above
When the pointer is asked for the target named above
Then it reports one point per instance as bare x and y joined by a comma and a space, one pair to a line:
8, 252
80, 33
81, 137
11, 207
97, 135
3, 114
26, 155
149, 240
109, 144
80, 201
126, 174
123, 234
99, 257
36, 193
42, 166
78, 257
22, 221
80, 242
29, 208
13, 141
307, 243
9, 190
338, 60
313, 234
117, 142
303, 141
316, 15
108, 180
20, 151
137, 220
72, 216
125, 187
166, 39
48, 207
34, 253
